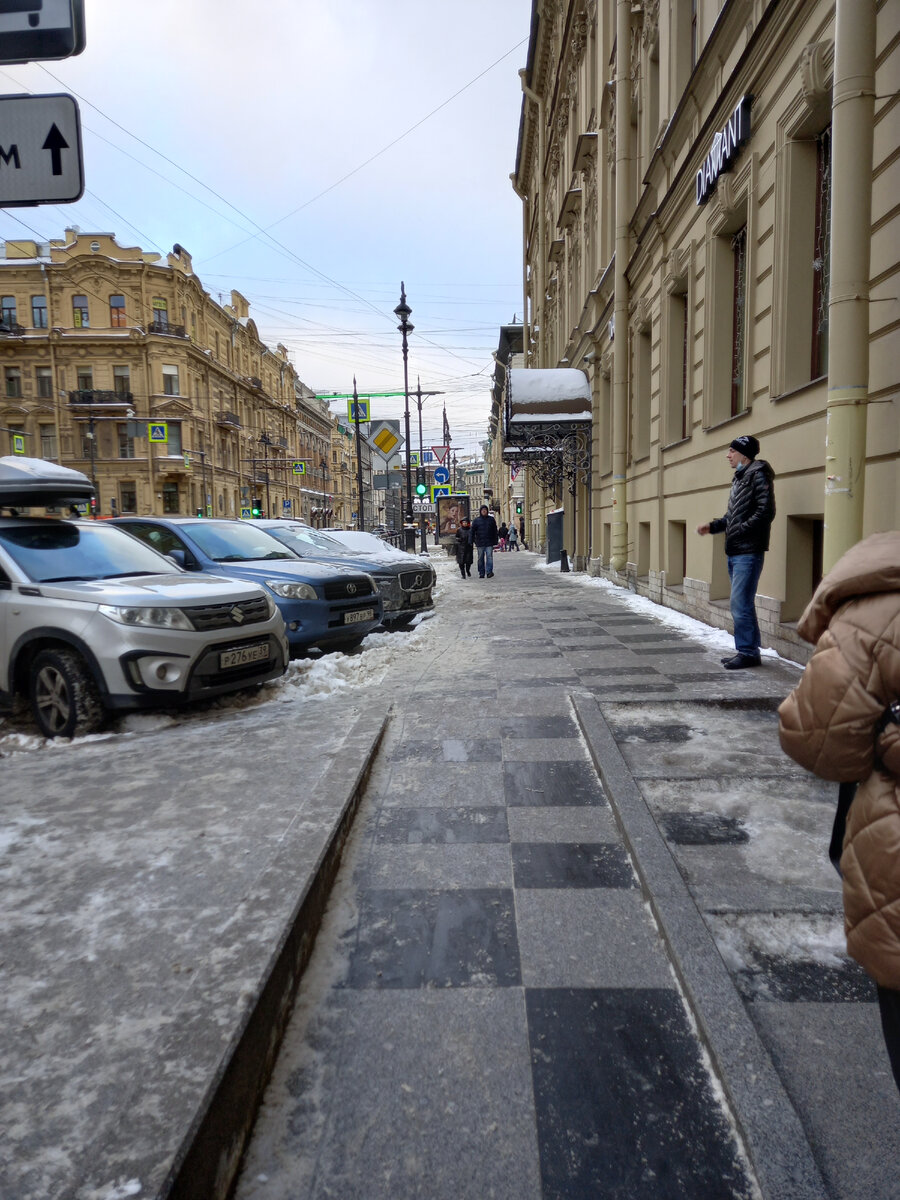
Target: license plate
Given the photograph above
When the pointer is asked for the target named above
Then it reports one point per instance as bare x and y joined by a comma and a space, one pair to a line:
246, 654
361, 614
419, 597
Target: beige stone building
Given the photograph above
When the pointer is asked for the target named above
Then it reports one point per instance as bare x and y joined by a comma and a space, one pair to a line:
121, 365
711, 233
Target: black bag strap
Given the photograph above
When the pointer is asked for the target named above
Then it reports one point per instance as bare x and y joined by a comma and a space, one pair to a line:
846, 792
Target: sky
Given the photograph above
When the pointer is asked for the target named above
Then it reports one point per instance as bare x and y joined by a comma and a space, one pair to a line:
312, 156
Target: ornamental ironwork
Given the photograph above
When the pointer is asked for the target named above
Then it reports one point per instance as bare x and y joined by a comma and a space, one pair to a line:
557, 453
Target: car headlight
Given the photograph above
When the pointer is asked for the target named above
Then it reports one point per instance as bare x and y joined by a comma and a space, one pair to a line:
292, 591
147, 618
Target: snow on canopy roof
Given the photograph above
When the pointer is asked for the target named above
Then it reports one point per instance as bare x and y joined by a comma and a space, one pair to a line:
548, 394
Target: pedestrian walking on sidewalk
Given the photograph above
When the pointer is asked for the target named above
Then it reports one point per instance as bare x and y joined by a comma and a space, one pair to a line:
746, 525
464, 553
503, 533
513, 537
485, 536
842, 722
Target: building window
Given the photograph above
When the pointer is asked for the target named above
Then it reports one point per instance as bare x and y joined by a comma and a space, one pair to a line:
84, 379
44, 377
13, 381
39, 312
695, 35
739, 321
122, 380
160, 313
677, 406
173, 446
128, 497
8, 311
80, 312
170, 381
126, 441
87, 441
822, 256
117, 312
641, 366
48, 441
170, 497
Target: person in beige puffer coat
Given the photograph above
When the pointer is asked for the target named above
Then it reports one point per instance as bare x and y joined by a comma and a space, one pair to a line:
838, 724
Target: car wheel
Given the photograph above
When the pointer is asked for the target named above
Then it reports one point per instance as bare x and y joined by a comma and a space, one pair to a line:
64, 699
346, 645
400, 622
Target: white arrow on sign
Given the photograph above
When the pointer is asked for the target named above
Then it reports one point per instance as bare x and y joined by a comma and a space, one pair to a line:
40, 150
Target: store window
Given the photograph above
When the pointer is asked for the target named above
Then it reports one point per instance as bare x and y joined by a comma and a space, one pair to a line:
170, 381
44, 379
48, 441
170, 498
39, 312
13, 381
8, 311
80, 318
117, 317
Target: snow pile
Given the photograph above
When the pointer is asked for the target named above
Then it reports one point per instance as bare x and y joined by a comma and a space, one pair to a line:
744, 939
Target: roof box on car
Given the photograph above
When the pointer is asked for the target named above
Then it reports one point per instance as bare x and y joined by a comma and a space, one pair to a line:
34, 481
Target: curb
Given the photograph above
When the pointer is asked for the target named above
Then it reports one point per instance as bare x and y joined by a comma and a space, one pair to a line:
772, 1132
208, 1159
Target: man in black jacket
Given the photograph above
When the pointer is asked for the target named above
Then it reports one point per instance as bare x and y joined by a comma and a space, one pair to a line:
485, 537
751, 510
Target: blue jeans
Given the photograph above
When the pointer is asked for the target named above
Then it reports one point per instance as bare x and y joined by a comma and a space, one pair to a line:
744, 571
485, 560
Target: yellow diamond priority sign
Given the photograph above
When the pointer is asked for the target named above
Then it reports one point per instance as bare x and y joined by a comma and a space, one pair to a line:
385, 439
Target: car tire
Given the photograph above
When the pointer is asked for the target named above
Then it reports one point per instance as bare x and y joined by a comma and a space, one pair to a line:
65, 701
400, 622
346, 645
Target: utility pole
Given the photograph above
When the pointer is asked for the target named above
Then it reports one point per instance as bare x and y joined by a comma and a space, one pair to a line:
420, 396
360, 515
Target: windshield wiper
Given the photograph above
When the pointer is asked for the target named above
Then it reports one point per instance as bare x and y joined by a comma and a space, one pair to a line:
233, 558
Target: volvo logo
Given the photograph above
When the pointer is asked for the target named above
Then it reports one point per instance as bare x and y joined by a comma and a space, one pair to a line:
237, 615
418, 581
351, 589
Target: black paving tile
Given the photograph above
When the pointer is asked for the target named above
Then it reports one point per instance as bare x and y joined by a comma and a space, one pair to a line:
539, 727
571, 865
651, 733
703, 829
700, 676
613, 671
650, 637
614, 690
531, 682
684, 648
413, 938
790, 981
549, 784
442, 826
624, 1104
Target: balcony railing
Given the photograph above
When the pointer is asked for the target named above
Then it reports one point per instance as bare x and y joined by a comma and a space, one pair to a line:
11, 330
228, 420
93, 396
158, 326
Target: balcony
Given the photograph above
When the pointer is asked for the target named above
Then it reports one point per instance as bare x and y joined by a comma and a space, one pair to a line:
282, 442
227, 420
8, 329
107, 399
163, 327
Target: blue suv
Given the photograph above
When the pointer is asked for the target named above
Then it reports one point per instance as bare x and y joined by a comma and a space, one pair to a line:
330, 607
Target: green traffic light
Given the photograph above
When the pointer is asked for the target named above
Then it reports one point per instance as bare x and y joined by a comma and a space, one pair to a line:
421, 489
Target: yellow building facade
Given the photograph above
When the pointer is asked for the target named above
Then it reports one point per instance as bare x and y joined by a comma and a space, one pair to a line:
119, 364
710, 232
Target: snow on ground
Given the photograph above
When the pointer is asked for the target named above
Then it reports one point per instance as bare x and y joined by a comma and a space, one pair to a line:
716, 639
742, 938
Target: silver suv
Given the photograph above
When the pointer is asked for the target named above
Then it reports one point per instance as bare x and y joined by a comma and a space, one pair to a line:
93, 622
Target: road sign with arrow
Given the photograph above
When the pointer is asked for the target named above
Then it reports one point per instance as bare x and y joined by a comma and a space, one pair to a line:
40, 150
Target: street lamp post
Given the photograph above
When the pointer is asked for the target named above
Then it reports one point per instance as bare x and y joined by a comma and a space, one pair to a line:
96, 502
265, 441
324, 469
402, 312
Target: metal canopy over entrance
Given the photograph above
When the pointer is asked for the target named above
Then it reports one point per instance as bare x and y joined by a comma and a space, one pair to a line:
548, 425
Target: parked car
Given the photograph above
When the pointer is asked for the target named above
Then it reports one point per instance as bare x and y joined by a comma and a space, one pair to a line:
92, 622
325, 605
404, 582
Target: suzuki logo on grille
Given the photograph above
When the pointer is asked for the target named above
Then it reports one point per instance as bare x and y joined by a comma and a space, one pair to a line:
351, 589
237, 615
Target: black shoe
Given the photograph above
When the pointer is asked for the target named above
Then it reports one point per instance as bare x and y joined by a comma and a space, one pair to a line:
740, 661
490, 574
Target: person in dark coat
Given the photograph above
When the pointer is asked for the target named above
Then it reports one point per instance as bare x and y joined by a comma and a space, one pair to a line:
485, 536
746, 525
464, 551
503, 531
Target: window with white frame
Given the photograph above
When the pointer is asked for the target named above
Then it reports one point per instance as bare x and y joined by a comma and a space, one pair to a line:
170, 381
44, 379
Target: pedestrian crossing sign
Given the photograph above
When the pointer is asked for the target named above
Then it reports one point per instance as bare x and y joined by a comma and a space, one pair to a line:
358, 410
298, 468
439, 489
158, 432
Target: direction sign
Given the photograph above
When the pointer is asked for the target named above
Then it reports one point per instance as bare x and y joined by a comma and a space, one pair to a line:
32, 30
40, 150
441, 474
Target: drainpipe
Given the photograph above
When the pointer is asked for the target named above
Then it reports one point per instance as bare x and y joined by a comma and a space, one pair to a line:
623, 250
852, 124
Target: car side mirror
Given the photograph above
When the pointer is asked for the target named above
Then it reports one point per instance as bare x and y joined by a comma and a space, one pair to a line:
179, 558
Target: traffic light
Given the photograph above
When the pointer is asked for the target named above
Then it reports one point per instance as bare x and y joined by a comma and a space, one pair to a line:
255, 508
421, 485
199, 512
518, 508
94, 507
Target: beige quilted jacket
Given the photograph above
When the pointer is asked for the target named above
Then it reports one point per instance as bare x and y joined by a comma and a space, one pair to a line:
829, 722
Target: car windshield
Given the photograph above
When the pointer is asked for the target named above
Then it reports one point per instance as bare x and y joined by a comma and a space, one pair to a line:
304, 540
59, 551
232, 542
